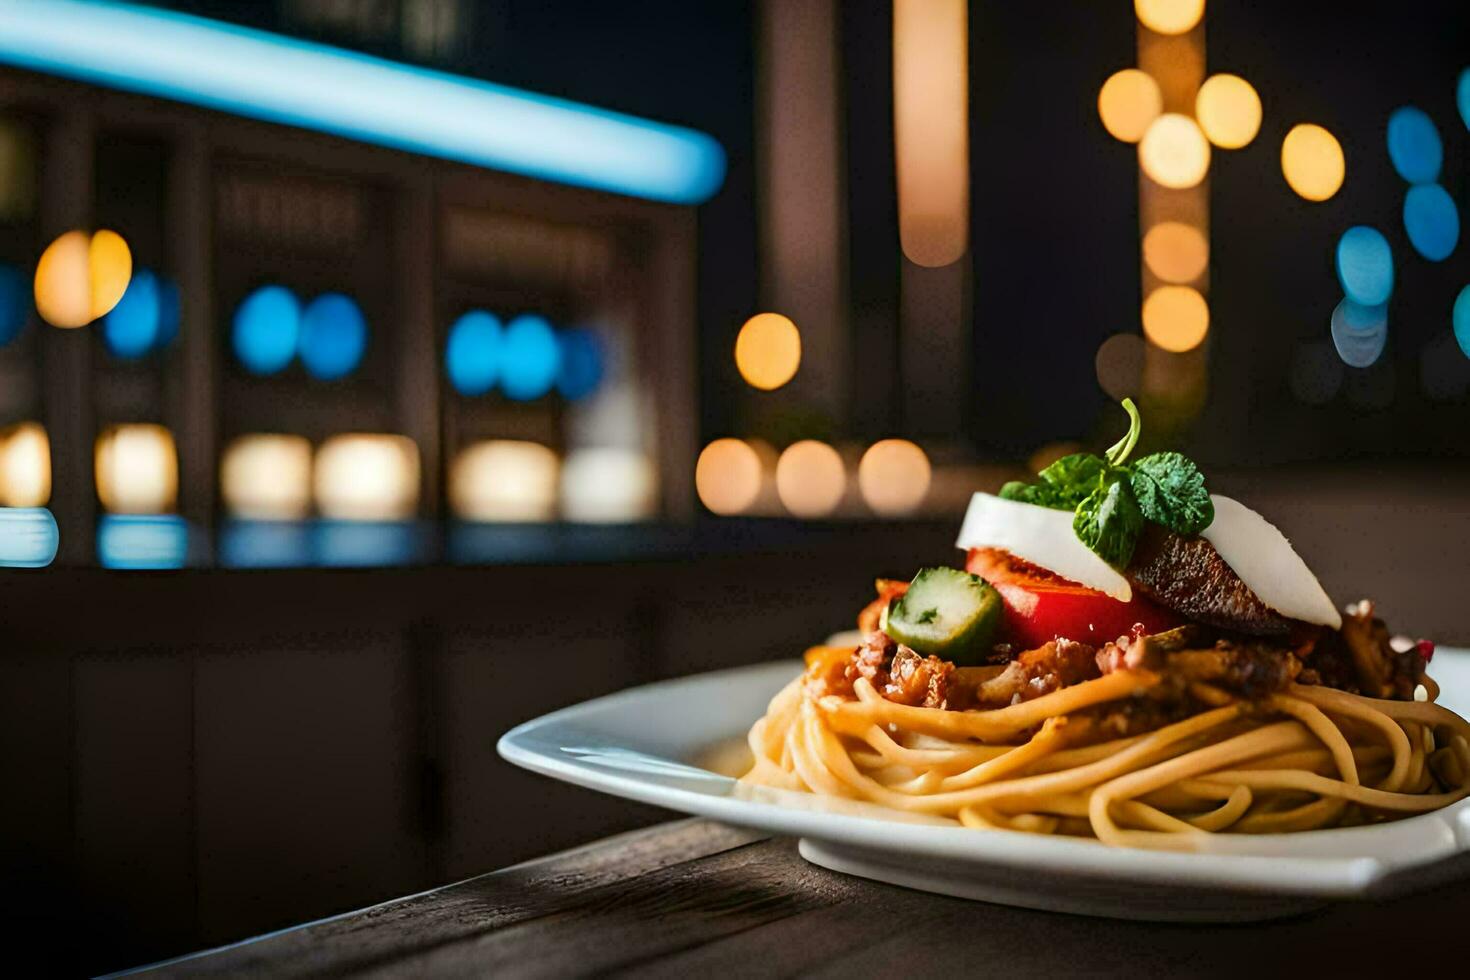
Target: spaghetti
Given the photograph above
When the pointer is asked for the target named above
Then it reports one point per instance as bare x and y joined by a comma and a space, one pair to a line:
1304, 756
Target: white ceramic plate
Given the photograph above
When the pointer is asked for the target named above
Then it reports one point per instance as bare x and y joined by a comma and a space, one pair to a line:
641, 744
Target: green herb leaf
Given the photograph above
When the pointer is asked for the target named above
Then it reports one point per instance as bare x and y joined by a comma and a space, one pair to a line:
1118, 453
1109, 522
1062, 485
1040, 494
928, 615
1170, 490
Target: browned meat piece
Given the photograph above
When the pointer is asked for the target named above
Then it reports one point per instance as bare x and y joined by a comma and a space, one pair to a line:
1187, 575
918, 680
1040, 671
898, 673
1362, 652
1188, 655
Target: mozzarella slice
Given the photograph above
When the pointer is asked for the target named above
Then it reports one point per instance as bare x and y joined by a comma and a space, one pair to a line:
1266, 562
1043, 537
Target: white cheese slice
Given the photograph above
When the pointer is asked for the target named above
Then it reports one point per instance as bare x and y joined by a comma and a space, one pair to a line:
1041, 535
1268, 565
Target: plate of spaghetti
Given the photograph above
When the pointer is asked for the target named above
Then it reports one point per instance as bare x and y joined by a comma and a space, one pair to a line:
1131, 698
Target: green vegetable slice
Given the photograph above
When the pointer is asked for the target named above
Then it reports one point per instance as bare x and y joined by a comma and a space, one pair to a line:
946, 613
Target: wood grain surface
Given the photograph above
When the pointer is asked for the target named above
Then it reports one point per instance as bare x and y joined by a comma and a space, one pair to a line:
696, 899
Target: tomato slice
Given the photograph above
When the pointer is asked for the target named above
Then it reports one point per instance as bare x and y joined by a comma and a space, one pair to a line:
1041, 606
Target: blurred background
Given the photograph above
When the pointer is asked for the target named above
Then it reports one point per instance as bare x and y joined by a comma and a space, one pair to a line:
378, 374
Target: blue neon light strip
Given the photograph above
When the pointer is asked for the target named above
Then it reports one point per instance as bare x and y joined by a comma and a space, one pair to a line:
298, 83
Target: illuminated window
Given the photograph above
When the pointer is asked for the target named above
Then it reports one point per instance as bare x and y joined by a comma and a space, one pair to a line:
504, 480
267, 329
1312, 162
1174, 152
529, 358
267, 477
367, 477
1176, 252
768, 351
1169, 16
472, 353
728, 476
137, 469
1176, 318
25, 466
333, 338
608, 486
810, 478
1229, 111
1129, 101
893, 476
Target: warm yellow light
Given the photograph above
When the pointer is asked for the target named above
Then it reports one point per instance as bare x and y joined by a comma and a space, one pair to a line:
1129, 101
110, 267
267, 477
25, 466
1228, 110
1176, 252
893, 476
1173, 152
79, 279
367, 477
1176, 318
768, 351
1311, 160
504, 480
728, 476
608, 486
137, 469
1169, 16
810, 479
63, 283
931, 120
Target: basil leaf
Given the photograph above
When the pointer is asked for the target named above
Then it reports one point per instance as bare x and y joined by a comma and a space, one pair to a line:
1040, 494
1170, 490
1075, 476
1109, 522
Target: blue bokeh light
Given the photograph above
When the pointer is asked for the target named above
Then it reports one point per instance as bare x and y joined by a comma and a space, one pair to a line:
142, 541
1432, 221
1365, 266
131, 329
169, 311
1462, 96
582, 363
15, 302
28, 537
1414, 146
267, 326
529, 359
1460, 317
472, 353
334, 336
1359, 332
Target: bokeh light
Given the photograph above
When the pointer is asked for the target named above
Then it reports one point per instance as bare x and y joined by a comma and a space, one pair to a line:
1229, 111
1176, 252
14, 302
1431, 221
25, 466
1462, 96
1460, 320
1130, 99
169, 313
810, 478
768, 351
267, 327
582, 363
894, 476
63, 285
607, 485
137, 469
1312, 162
472, 353
1176, 318
504, 480
131, 329
29, 537
1119, 365
1174, 152
367, 477
1316, 373
1359, 332
142, 541
109, 268
529, 358
1414, 146
1365, 266
334, 336
267, 477
727, 476
1169, 16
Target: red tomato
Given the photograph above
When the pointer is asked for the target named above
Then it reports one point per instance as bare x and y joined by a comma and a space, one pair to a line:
1041, 606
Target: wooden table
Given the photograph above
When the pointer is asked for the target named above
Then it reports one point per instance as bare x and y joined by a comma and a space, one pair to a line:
697, 899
